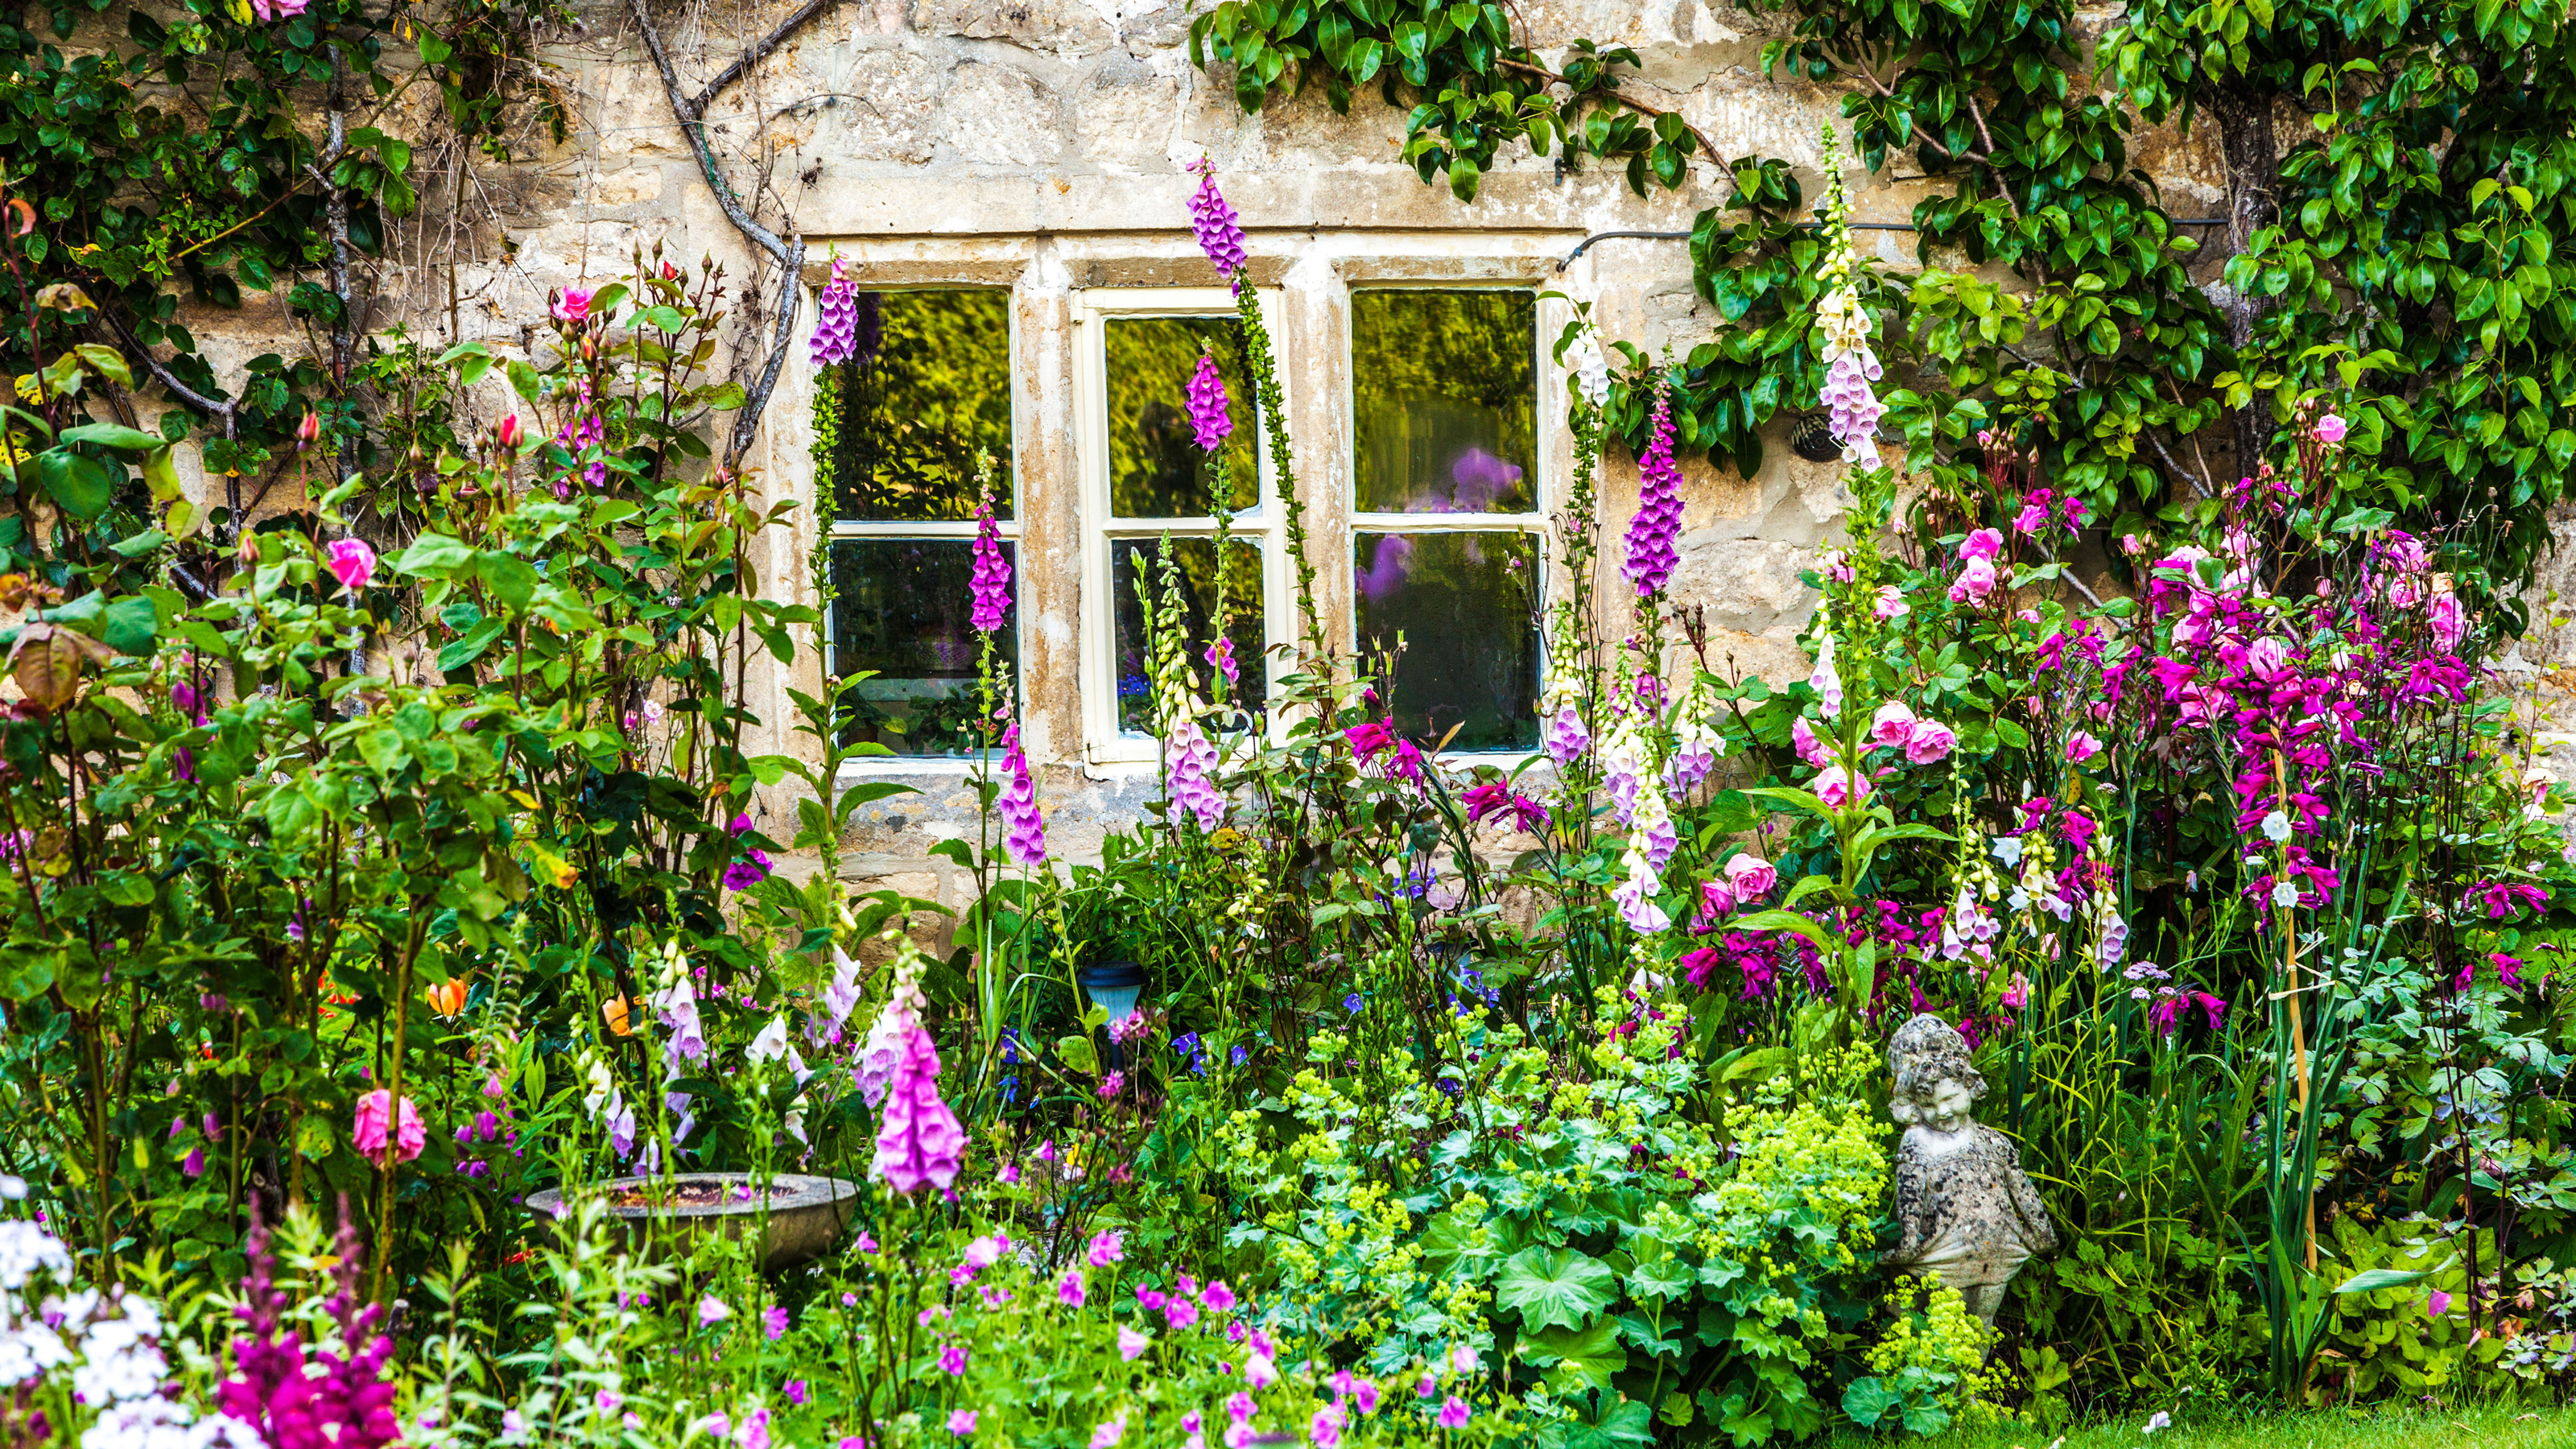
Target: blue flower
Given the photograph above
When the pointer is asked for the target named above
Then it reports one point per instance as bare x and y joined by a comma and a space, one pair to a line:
1352, 1003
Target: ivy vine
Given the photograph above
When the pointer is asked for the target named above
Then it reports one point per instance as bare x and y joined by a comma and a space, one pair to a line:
2408, 259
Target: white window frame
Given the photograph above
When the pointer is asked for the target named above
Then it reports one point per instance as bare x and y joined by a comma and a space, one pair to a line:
1537, 523
897, 531
1263, 524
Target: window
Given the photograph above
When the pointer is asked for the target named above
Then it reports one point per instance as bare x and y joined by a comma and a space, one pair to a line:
897, 431
1446, 522
1149, 494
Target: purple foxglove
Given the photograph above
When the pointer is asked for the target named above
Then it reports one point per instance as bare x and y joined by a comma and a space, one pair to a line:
1566, 738
1220, 234
836, 328
992, 579
1024, 830
1636, 895
1208, 417
919, 1141
1650, 555
1192, 761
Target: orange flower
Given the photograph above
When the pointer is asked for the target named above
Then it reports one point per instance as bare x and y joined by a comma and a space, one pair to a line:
447, 998
614, 1013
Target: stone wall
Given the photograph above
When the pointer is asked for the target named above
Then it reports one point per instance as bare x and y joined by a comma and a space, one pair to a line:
1041, 144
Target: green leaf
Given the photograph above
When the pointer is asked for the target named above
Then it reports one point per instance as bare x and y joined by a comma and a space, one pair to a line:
469, 646
509, 578
434, 555
111, 435
1868, 1400
1555, 1286
83, 486
1581, 1357
129, 626
1781, 921
2374, 1278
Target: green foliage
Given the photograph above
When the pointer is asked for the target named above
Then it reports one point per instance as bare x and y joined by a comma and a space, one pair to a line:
2405, 261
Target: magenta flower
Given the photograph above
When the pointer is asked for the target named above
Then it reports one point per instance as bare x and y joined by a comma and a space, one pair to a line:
919, 1143
1984, 543
1218, 1297
1890, 603
712, 1311
1069, 1290
268, 10
570, 305
1220, 234
952, 1360
1131, 1344
961, 1422
1975, 582
1220, 656
1893, 725
385, 1135
774, 1322
301, 1396
797, 1391
992, 579
836, 325
1024, 829
194, 1165
2082, 747
350, 561
1109, 1431
2330, 429
1107, 1248
1650, 555
1208, 417
1453, 1414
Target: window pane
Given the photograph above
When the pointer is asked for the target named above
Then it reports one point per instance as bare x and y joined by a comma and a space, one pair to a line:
1155, 467
1444, 388
898, 425
1462, 608
1196, 558
903, 608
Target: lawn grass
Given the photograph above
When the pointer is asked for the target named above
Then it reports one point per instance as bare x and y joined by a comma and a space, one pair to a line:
2394, 1427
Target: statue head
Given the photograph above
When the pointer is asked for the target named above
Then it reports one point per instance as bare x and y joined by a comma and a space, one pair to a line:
1937, 1083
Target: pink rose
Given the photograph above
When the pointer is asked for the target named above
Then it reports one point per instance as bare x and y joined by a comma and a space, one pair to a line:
1716, 902
1892, 726
1984, 543
1838, 787
1802, 737
350, 561
574, 304
1975, 582
2081, 747
2330, 429
1751, 876
2030, 518
1891, 603
1932, 742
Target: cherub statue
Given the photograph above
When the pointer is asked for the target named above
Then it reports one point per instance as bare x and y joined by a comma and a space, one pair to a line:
1964, 1209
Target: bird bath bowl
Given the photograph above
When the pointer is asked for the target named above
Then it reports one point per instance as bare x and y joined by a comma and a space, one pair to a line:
805, 1214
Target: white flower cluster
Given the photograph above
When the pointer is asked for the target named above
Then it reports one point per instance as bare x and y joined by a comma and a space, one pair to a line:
110, 1343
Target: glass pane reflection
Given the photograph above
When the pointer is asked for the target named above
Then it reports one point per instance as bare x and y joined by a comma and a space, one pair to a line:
903, 609
1155, 467
1196, 560
1444, 389
903, 419
1462, 609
